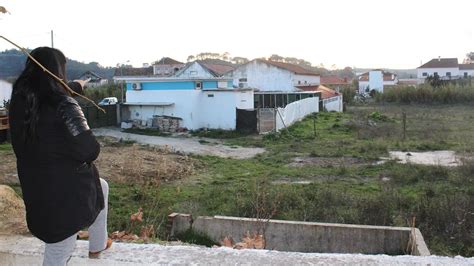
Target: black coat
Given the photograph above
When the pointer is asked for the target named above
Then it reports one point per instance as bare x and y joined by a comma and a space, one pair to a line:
60, 184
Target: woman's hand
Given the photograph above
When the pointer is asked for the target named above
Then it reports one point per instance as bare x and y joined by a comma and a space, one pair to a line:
82, 82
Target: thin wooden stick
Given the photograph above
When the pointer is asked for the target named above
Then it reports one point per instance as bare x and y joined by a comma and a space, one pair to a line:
51, 74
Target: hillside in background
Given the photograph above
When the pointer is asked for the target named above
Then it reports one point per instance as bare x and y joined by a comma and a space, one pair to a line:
12, 63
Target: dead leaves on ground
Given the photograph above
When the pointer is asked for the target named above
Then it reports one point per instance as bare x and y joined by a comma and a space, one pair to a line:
137, 217
3, 10
248, 242
146, 231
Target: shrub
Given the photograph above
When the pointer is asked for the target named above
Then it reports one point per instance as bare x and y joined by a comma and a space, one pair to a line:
425, 94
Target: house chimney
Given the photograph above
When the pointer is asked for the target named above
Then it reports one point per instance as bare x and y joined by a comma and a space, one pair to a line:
439, 58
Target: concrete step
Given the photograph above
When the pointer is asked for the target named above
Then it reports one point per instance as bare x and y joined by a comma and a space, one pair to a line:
22, 250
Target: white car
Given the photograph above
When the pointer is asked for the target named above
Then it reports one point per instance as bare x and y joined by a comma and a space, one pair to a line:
108, 101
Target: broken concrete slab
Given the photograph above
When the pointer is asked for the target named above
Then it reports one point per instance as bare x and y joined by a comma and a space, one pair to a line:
436, 158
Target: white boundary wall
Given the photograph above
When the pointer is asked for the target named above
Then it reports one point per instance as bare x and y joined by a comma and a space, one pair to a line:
296, 111
333, 104
5, 91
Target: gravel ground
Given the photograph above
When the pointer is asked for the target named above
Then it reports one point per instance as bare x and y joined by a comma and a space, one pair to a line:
184, 145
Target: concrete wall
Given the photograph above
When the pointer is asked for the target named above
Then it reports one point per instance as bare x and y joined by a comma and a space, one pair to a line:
296, 111
376, 80
306, 236
306, 80
5, 91
333, 104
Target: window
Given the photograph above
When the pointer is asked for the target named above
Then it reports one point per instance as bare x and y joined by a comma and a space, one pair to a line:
291, 98
425, 74
465, 74
279, 100
210, 95
305, 82
435, 74
198, 85
193, 73
299, 82
222, 84
243, 80
448, 74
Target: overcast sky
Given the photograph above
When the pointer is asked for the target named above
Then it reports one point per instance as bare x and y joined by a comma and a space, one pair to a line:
363, 33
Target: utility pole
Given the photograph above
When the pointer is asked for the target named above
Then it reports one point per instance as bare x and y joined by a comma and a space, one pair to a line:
52, 40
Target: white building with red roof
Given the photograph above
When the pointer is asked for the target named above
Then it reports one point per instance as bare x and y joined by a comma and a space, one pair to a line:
444, 68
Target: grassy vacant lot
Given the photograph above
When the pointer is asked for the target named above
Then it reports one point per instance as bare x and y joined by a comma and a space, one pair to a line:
323, 169
341, 183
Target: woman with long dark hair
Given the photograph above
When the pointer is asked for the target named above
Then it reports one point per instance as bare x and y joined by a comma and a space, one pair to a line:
55, 150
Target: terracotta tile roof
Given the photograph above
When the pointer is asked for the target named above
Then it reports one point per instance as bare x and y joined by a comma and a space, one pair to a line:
441, 63
466, 66
290, 67
325, 91
333, 80
387, 76
167, 61
132, 71
217, 69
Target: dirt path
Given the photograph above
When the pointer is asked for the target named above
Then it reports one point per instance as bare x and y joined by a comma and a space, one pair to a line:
185, 145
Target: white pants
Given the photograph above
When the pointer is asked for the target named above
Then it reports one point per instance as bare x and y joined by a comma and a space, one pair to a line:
59, 253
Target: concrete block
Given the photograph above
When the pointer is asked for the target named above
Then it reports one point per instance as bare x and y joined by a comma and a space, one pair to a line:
310, 237
180, 223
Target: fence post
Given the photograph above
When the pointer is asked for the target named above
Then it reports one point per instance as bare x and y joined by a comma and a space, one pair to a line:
314, 124
119, 113
404, 115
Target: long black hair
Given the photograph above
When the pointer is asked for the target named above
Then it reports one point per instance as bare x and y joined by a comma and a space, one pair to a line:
37, 88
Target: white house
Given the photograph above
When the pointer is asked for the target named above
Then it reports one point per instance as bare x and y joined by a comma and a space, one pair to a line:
275, 84
266, 75
166, 67
5, 91
376, 80
95, 79
466, 70
444, 68
195, 102
204, 69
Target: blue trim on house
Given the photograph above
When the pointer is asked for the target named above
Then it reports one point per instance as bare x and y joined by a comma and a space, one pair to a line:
185, 85
209, 84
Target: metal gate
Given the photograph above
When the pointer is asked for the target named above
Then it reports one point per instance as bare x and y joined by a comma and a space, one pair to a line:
266, 120
97, 118
246, 121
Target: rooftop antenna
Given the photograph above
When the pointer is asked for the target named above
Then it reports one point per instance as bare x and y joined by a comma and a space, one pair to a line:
52, 39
